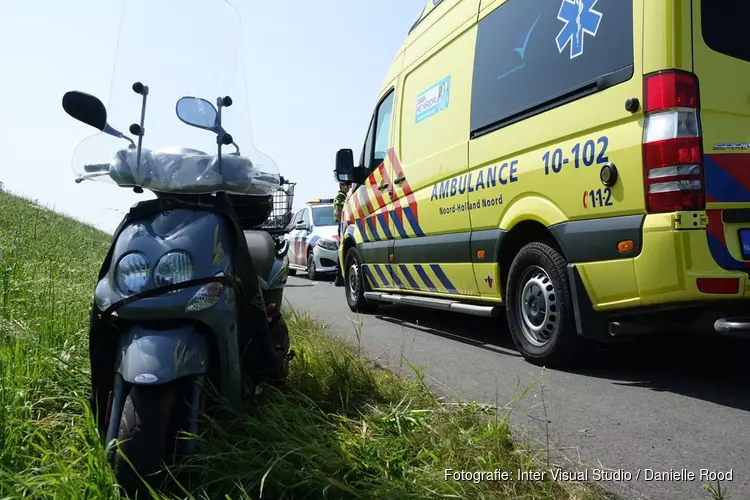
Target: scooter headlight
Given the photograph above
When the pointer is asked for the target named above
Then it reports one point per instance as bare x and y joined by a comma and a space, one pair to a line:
132, 273
173, 267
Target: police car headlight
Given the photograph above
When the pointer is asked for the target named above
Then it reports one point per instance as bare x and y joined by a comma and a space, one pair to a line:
328, 244
132, 273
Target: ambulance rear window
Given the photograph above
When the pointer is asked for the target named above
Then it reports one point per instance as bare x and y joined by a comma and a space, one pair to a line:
724, 25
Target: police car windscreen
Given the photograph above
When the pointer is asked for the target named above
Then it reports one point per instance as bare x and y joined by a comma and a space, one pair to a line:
724, 26
323, 216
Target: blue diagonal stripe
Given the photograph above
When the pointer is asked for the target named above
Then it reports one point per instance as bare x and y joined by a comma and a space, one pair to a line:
372, 279
423, 276
373, 228
396, 280
721, 254
399, 225
361, 227
442, 277
409, 277
384, 225
721, 186
386, 283
413, 221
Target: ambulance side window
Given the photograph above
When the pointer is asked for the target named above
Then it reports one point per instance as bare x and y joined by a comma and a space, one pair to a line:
383, 130
375, 154
366, 160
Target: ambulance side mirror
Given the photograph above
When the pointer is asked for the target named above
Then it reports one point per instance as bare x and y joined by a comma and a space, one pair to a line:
345, 169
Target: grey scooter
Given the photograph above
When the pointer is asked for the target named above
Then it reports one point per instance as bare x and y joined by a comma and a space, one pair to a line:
187, 294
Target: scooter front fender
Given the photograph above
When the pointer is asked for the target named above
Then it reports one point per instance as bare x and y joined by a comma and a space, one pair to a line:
159, 356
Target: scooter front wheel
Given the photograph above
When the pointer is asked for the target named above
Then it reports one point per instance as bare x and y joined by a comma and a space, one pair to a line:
143, 435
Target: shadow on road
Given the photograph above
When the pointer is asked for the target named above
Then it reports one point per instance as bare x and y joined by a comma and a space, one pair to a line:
699, 365
307, 282
472, 330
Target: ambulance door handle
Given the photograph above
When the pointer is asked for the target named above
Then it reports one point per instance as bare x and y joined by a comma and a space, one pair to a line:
399, 180
383, 186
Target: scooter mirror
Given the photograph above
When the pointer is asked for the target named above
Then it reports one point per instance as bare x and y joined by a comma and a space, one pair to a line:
85, 108
90, 110
197, 112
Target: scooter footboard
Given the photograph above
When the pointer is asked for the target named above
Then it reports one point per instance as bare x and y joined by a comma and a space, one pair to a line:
160, 356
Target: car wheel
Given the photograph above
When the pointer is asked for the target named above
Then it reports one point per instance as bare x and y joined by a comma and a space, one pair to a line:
540, 307
355, 284
311, 272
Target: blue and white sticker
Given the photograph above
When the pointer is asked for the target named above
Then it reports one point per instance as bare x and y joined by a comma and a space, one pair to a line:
523, 43
434, 100
580, 20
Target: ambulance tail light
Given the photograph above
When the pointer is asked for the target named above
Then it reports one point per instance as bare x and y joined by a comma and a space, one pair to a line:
672, 152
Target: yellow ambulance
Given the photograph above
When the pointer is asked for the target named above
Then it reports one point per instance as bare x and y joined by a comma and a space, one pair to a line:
582, 164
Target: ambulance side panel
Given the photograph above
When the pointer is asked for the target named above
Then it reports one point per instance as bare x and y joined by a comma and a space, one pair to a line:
548, 111
432, 244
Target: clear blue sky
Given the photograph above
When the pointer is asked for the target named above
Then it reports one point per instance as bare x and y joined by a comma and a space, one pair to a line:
314, 70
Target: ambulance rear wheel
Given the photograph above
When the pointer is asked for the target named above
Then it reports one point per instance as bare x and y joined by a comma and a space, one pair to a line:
355, 284
540, 307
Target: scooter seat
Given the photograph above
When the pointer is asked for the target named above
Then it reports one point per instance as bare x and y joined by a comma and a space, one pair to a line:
262, 249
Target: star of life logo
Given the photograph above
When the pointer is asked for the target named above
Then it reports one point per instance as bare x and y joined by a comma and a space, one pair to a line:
580, 20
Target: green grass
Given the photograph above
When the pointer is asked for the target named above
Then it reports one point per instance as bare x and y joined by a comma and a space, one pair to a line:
341, 429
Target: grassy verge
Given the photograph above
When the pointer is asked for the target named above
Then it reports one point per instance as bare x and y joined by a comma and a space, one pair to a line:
342, 429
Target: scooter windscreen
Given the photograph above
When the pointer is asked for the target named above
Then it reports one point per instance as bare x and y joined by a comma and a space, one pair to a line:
178, 117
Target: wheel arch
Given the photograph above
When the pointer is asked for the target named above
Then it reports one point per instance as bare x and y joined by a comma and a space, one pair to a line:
532, 208
522, 232
525, 220
348, 244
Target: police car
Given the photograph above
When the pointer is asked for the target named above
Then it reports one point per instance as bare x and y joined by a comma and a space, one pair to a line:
314, 240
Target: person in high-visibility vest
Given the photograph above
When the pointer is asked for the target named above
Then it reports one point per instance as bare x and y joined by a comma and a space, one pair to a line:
338, 210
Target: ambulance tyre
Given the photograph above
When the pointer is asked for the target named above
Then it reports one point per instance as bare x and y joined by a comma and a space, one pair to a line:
540, 307
355, 284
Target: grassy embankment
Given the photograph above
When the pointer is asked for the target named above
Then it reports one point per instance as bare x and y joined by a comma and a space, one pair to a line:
342, 429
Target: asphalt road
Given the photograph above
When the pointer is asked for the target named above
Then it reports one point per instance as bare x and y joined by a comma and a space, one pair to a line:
669, 403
